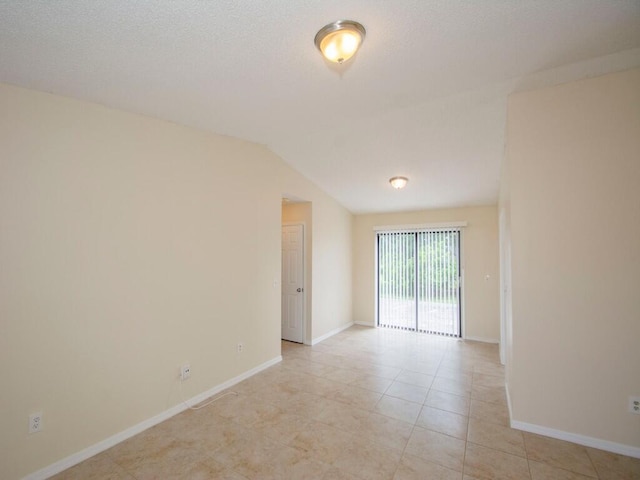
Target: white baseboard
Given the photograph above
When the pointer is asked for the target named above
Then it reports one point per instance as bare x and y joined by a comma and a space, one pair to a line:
365, 324
606, 445
89, 452
598, 443
482, 339
331, 333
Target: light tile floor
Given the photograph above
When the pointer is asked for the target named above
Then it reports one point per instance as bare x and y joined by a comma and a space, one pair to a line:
364, 404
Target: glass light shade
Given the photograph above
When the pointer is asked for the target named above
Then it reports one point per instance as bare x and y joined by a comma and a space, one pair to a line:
398, 182
340, 40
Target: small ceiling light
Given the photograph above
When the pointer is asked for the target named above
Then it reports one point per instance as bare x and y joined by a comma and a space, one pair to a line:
339, 41
398, 182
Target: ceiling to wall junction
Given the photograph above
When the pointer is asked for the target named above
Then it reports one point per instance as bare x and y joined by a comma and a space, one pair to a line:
425, 97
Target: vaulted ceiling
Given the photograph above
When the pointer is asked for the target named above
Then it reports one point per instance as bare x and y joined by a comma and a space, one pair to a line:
425, 97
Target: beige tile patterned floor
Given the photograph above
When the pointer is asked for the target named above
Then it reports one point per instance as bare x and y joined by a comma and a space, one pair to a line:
364, 404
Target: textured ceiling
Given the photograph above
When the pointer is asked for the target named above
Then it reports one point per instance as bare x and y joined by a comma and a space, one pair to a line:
425, 97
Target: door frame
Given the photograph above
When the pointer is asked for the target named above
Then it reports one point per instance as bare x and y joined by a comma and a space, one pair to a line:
304, 276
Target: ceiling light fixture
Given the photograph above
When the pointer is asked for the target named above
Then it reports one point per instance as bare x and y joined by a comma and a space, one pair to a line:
398, 182
339, 41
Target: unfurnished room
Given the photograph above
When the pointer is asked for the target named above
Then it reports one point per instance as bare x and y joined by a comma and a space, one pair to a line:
333, 240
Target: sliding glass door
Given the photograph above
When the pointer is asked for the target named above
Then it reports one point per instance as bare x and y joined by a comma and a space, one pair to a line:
419, 280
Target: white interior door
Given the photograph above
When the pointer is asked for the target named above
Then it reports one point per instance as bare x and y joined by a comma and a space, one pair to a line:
292, 283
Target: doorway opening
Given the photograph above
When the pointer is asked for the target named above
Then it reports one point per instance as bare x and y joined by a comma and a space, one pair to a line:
293, 283
297, 267
419, 285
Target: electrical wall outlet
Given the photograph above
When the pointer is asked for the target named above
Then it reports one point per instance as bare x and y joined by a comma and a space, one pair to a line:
35, 422
185, 372
634, 405
240, 347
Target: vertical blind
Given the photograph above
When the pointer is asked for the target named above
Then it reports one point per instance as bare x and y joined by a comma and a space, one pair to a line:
419, 280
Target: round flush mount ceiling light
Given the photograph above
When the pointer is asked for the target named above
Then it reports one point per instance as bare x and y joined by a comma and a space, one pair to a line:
398, 182
339, 41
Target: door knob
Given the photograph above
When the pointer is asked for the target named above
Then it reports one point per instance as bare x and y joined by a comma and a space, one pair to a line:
299, 290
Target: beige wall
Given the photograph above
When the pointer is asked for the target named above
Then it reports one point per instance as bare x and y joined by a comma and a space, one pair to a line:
128, 246
479, 258
573, 201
